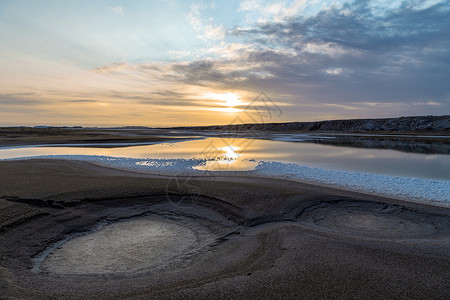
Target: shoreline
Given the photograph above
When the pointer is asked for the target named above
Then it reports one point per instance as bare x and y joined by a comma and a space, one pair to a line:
28, 136
266, 175
401, 188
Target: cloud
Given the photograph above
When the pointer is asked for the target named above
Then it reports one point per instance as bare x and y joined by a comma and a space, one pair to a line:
114, 67
274, 11
206, 31
335, 71
19, 99
82, 101
347, 58
214, 32
404, 50
118, 10
281, 10
250, 5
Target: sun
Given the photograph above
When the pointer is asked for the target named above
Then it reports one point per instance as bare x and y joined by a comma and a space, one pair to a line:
228, 99
231, 99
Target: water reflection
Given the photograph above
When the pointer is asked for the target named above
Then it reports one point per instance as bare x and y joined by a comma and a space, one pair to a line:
230, 154
222, 154
229, 160
406, 143
430, 145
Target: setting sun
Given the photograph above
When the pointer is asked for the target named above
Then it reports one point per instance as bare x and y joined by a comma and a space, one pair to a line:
227, 99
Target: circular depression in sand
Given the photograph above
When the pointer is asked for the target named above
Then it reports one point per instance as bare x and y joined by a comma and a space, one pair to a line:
375, 220
126, 246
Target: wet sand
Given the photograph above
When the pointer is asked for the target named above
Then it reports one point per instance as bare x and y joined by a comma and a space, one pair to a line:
234, 237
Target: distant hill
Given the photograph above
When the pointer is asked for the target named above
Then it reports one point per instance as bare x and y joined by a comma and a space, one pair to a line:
418, 124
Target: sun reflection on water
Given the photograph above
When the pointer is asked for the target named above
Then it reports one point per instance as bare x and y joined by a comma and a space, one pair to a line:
230, 154
229, 159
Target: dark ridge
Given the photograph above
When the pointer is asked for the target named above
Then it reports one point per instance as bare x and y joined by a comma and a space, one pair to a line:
418, 124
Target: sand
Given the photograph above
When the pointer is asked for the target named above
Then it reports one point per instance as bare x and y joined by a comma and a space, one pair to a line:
95, 137
71, 230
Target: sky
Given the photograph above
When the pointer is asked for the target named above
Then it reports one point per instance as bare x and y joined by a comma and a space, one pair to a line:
180, 63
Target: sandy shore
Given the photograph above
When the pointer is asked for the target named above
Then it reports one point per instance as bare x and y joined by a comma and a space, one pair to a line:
241, 237
106, 138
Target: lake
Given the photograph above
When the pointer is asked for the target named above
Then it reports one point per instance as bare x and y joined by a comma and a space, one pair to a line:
407, 175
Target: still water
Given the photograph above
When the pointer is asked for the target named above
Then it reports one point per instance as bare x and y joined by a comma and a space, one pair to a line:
239, 154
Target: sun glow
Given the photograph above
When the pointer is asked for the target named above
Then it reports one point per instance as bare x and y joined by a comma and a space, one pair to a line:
227, 99
227, 109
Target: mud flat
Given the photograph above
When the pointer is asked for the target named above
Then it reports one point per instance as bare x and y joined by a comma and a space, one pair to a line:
124, 246
88, 137
70, 230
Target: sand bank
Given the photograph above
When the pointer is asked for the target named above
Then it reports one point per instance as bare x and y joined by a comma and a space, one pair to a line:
96, 137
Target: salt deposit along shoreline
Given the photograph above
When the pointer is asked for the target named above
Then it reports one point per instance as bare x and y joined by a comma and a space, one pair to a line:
419, 190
